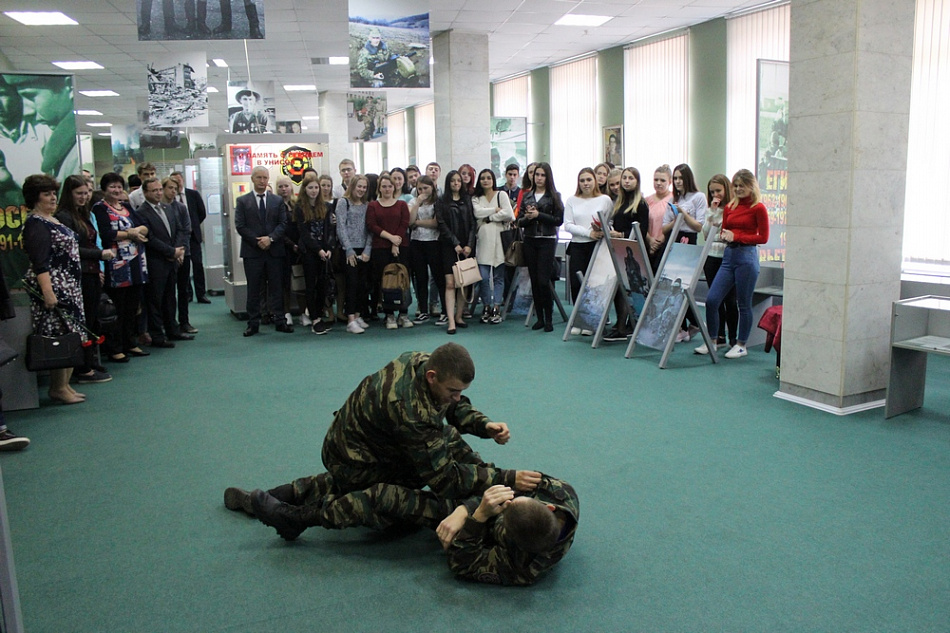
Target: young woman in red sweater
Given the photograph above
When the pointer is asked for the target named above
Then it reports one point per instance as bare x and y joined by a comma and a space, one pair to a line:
745, 225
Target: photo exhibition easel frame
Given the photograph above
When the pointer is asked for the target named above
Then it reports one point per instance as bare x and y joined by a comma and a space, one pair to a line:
634, 274
670, 297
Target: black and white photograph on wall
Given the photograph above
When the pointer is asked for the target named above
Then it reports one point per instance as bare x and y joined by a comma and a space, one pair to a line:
251, 107
509, 144
613, 145
389, 45
200, 19
177, 91
366, 117
37, 135
289, 127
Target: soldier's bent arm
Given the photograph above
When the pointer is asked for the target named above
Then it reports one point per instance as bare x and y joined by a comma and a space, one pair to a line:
467, 419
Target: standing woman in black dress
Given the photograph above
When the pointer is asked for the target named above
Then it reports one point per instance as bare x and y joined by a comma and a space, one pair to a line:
456, 219
541, 215
54, 274
74, 212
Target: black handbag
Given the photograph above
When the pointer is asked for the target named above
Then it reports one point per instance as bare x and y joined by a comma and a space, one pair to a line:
54, 352
106, 313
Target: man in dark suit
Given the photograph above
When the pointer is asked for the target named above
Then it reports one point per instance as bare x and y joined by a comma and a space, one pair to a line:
164, 251
171, 190
261, 220
194, 265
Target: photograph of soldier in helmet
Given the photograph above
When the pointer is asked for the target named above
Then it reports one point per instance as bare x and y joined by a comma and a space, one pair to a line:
389, 47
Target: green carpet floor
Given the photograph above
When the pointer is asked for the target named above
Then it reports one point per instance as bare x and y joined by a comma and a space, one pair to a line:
706, 504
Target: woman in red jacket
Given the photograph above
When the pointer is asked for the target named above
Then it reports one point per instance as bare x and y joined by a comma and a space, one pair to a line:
745, 225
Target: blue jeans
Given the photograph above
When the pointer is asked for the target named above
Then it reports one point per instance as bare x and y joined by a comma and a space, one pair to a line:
492, 284
740, 269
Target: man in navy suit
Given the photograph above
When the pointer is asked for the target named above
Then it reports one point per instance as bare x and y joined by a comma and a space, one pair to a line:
261, 220
165, 251
195, 208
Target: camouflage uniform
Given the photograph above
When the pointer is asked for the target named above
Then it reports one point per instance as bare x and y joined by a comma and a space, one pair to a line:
480, 553
371, 56
391, 430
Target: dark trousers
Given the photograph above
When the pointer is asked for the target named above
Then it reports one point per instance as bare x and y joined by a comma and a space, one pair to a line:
357, 278
539, 260
182, 288
160, 299
91, 290
168, 11
198, 270
580, 254
426, 261
127, 301
249, 8
257, 270
314, 273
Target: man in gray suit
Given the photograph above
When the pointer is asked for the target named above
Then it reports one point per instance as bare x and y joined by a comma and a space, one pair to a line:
260, 220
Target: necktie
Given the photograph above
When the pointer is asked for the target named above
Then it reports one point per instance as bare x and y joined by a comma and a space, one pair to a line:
261, 209
160, 210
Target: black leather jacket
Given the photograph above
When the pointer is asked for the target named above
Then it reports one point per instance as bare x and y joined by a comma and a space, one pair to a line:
550, 215
456, 222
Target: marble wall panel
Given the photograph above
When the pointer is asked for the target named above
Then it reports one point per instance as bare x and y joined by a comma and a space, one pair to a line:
811, 203
829, 28
823, 85
812, 362
878, 197
817, 254
880, 140
814, 308
875, 254
869, 310
881, 30
882, 83
866, 365
823, 142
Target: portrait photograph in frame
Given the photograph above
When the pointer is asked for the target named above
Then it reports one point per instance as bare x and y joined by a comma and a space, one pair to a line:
613, 145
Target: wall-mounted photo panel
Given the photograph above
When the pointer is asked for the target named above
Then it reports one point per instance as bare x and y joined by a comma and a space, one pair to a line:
202, 20
177, 91
613, 145
772, 155
366, 117
509, 144
389, 45
289, 127
251, 107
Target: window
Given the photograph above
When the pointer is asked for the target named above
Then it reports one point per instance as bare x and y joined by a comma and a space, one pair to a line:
926, 225
760, 35
425, 133
575, 134
512, 97
656, 105
398, 148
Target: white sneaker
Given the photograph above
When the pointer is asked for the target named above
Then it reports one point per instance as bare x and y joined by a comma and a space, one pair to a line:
737, 351
391, 322
702, 350
404, 321
305, 320
587, 333
682, 336
362, 323
353, 327
575, 331
288, 318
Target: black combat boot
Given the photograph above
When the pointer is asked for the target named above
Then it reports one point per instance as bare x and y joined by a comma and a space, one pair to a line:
284, 518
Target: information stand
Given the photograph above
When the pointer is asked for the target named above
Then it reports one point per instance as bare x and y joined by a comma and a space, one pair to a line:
634, 275
670, 297
521, 301
596, 294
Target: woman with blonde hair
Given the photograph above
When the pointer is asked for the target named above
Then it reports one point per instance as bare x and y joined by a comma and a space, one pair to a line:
745, 225
630, 208
718, 194
658, 202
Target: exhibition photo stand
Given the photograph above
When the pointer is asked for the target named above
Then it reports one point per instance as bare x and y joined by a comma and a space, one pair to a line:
671, 295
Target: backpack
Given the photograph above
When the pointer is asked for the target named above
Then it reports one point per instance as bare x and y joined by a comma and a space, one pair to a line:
395, 288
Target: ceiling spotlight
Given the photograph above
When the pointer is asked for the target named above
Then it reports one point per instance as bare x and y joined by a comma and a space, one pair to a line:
220, 63
577, 19
88, 113
299, 87
99, 93
40, 18
78, 65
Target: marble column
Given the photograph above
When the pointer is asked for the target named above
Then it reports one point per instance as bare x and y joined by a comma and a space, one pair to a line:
850, 81
332, 110
462, 100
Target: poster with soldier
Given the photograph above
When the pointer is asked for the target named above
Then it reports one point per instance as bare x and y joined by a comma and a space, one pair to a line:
199, 20
37, 135
366, 117
251, 107
178, 91
389, 45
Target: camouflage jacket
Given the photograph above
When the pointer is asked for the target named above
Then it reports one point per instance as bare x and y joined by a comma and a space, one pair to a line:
390, 430
480, 552
369, 58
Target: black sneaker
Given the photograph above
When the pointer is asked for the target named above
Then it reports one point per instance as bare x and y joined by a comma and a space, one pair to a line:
422, 317
93, 377
616, 335
443, 320
11, 442
319, 327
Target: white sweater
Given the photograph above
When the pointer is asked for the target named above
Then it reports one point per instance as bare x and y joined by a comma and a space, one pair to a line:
579, 213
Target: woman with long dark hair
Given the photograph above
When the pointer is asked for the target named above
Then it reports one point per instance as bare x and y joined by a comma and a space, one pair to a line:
127, 273
745, 225
387, 218
74, 213
541, 215
312, 216
456, 219
492, 214
690, 203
